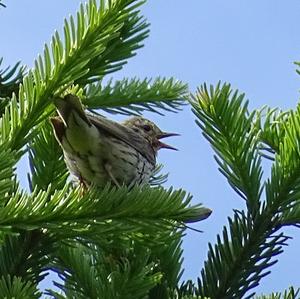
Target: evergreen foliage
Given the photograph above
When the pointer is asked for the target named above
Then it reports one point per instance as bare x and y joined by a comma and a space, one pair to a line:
120, 243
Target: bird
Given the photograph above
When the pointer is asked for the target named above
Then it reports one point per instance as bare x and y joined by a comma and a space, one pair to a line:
98, 150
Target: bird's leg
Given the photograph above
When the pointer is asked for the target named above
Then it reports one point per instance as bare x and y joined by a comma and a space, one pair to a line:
83, 185
107, 167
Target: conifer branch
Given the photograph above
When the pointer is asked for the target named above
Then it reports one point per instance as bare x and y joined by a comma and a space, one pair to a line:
226, 123
89, 273
242, 256
283, 188
291, 293
10, 78
25, 254
139, 95
68, 211
270, 126
15, 287
100, 42
46, 161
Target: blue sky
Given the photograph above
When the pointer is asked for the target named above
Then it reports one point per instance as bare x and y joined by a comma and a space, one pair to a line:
251, 44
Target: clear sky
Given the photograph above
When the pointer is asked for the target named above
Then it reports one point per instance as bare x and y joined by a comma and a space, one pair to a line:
251, 44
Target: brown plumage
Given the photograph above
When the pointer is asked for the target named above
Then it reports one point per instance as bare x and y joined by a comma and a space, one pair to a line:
98, 150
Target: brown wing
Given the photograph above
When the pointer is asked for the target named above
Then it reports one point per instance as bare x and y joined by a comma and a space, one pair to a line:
125, 134
67, 105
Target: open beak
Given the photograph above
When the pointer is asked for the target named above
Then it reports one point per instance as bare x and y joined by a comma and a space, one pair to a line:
164, 145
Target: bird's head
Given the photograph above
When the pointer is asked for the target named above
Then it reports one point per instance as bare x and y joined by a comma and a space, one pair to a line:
150, 132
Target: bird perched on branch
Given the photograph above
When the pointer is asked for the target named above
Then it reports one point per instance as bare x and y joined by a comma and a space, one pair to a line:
98, 150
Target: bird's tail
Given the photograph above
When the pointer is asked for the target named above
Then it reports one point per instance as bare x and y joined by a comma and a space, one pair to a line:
68, 105
72, 128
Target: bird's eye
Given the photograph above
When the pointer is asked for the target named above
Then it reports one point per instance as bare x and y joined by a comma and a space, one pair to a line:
147, 128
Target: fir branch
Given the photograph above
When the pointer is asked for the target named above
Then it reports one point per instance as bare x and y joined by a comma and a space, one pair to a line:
89, 273
241, 258
121, 43
291, 293
187, 290
46, 161
15, 287
158, 178
68, 211
223, 116
10, 78
8, 184
283, 188
168, 260
24, 254
139, 95
270, 126
100, 42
